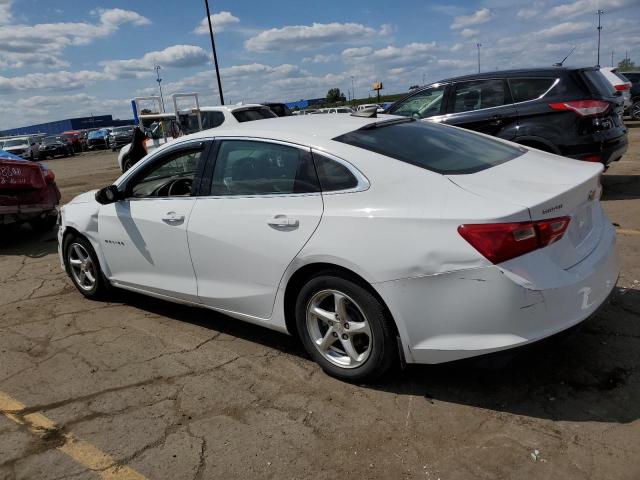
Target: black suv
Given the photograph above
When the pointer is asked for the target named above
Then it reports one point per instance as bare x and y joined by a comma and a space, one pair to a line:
567, 111
634, 78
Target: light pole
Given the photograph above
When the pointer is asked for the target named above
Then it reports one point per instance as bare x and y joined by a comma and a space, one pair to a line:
159, 80
353, 88
599, 12
213, 47
478, 45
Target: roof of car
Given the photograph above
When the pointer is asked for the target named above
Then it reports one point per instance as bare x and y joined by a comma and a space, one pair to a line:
514, 73
231, 108
310, 130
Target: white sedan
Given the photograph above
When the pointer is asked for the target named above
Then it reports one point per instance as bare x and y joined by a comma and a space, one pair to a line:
371, 239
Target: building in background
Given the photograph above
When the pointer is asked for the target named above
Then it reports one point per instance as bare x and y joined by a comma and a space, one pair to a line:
60, 126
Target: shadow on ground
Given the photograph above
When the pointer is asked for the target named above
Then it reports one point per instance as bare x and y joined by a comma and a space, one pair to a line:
621, 187
587, 374
24, 241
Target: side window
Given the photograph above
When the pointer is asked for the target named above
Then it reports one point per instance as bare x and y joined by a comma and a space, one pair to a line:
333, 175
212, 119
524, 89
245, 167
170, 177
423, 104
478, 94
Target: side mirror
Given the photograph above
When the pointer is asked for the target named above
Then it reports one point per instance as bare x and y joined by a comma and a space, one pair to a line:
108, 195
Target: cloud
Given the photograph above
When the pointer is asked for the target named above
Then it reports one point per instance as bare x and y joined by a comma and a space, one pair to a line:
170, 57
468, 32
411, 53
320, 58
305, 37
481, 16
62, 80
5, 12
582, 7
19, 39
219, 22
357, 52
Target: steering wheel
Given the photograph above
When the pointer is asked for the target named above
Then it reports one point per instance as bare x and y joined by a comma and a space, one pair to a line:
176, 186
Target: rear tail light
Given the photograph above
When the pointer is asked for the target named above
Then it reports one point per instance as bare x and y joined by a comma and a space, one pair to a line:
49, 176
592, 158
583, 108
499, 242
623, 87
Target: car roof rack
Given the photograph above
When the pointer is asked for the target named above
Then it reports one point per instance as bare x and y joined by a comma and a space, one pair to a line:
369, 112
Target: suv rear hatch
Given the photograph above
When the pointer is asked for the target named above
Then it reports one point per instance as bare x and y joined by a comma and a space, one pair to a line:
548, 187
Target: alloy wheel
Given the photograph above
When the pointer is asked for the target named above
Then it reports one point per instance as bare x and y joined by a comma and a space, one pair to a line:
339, 329
635, 111
82, 268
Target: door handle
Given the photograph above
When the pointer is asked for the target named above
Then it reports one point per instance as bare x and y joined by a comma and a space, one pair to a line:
173, 218
282, 221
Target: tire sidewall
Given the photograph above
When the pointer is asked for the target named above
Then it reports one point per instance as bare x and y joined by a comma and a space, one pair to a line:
101, 286
382, 350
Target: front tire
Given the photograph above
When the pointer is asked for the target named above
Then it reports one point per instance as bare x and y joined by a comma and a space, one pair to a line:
84, 268
345, 328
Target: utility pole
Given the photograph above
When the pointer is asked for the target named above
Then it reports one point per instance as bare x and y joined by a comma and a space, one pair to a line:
611, 58
599, 12
213, 47
353, 88
478, 45
159, 80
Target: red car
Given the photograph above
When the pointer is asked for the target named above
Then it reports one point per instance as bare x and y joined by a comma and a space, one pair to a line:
28, 193
76, 138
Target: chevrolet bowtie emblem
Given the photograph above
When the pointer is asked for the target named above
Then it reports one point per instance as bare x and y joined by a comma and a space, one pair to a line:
592, 195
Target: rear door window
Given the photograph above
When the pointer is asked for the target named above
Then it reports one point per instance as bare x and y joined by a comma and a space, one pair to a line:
524, 89
434, 147
333, 175
479, 94
253, 114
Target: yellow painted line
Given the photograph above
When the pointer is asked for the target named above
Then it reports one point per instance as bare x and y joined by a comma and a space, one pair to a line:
82, 452
627, 231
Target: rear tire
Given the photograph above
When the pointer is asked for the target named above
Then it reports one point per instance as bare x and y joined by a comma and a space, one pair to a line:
635, 110
345, 328
126, 164
83, 267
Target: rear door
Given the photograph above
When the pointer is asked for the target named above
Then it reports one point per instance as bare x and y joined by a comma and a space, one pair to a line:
483, 105
261, 207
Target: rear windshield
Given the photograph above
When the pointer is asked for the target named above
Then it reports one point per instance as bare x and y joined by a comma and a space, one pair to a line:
438, 148
600, 85
254, 114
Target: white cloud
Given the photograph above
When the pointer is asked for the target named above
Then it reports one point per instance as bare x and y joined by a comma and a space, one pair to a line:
357, 52
481, 16
386, 29
219, 22
305, 37
19, 39
320, 58
49, 81
582, 7
170, 57
5, 12
468, 32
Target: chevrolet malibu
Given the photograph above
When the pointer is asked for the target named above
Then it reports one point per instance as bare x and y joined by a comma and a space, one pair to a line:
374, 240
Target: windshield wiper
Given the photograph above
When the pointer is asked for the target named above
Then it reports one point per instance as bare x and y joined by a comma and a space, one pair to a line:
386, 123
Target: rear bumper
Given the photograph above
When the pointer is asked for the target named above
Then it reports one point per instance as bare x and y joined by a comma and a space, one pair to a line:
473, 312
607, 150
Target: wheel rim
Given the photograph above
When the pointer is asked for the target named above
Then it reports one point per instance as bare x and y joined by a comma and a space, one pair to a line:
82, 267
635, 110
339, 329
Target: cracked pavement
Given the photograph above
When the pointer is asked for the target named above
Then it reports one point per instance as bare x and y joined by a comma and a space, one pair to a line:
174, 392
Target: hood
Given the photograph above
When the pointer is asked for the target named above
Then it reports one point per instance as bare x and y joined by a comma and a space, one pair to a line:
86, 197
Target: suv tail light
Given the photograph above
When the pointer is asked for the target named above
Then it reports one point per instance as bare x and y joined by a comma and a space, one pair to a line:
499, 242
583, 108
622, 87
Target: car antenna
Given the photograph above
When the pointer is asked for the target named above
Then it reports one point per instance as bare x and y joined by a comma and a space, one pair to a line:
559, 64
369, 112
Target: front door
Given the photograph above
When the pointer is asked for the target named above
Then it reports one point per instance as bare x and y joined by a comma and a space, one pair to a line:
484, 106
144, 236
264, 205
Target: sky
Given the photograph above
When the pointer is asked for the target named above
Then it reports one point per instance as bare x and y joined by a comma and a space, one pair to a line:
69, 58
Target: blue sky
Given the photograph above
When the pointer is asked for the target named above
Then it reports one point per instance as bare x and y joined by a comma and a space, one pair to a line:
75, 58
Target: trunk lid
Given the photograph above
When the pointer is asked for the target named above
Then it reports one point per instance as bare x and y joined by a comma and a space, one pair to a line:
548, 186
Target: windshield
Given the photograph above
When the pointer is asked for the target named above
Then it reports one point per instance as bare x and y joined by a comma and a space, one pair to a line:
253, 114
97, 134
15, 143
434, 147
52, 139
121, 129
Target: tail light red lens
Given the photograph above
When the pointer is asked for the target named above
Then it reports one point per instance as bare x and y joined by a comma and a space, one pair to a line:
623, 87
49, 176
499, 242
592, 158
584, 108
